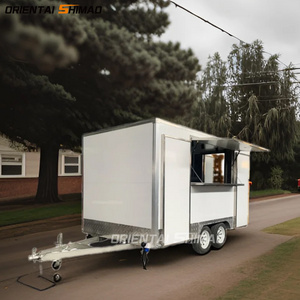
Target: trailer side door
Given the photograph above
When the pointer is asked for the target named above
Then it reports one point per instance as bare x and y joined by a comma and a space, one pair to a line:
242, 205
177, 159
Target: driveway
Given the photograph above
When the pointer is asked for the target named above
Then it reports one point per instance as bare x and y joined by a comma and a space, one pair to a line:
173, 273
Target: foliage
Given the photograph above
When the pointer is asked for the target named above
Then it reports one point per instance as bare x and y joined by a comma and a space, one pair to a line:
291, 168
263, 99
64, 75
212, 114
276, 179
251, 98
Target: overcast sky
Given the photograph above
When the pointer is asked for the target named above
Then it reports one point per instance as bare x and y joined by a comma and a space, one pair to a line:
275, 22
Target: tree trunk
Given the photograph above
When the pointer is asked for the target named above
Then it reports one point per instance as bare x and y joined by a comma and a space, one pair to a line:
47, 191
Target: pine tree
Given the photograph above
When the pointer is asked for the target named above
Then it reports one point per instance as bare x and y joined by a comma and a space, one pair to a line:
64, 75
212, 113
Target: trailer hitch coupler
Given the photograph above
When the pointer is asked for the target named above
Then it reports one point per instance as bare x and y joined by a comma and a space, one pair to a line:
34, 255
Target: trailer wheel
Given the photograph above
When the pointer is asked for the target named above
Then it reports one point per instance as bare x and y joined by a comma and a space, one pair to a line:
219, 235
203, 244
56, 277
56, 265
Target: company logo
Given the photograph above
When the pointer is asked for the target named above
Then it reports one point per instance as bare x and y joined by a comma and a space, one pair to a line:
77, 9
156, 239
62, 9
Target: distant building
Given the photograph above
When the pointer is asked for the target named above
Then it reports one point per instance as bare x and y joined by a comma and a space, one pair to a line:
19, 171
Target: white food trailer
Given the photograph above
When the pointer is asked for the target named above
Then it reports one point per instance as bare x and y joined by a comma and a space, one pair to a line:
153, 184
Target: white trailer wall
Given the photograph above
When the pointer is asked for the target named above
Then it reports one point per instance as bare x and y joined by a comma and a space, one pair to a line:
211, 203
243, 173
176, 190
118, 176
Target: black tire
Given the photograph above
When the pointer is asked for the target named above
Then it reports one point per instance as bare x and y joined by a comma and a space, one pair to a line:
203, 244
56, 277
56, 265
219, 234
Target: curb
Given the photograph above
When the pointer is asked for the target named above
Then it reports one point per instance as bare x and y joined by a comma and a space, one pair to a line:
255, 199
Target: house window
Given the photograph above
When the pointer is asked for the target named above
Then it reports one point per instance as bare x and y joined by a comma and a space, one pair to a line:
12, 164
71, 165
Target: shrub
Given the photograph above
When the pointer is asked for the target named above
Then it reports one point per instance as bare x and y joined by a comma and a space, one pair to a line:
276, 179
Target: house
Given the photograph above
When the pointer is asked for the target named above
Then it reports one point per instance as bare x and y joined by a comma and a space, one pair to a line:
19, 171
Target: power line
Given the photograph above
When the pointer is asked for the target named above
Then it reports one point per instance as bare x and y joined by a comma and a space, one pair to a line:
275, 58
221, 29
250, 84
254, 83
245, 84
278, 99
272, 71
208, 22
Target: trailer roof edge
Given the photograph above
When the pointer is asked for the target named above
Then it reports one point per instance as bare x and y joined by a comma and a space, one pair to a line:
228, 143
146, 121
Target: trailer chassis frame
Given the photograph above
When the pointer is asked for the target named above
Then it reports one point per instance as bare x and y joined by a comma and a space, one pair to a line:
88, 246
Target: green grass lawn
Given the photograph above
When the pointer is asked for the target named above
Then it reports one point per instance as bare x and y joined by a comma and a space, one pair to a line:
291, 227
275, 275
41, 212
269, 192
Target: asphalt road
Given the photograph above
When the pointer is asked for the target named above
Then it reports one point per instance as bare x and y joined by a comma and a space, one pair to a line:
173, 273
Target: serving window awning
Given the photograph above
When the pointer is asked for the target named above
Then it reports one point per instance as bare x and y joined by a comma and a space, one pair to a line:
231, 143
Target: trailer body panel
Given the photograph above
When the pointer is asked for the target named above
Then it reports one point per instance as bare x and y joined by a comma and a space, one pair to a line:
242, 205
118, 176
176, 190
212, 203
158, 178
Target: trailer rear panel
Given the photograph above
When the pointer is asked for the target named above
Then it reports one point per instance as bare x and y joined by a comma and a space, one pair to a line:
118, 179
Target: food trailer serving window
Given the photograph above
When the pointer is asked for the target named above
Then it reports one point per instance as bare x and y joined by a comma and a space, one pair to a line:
213, 160
211, 164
